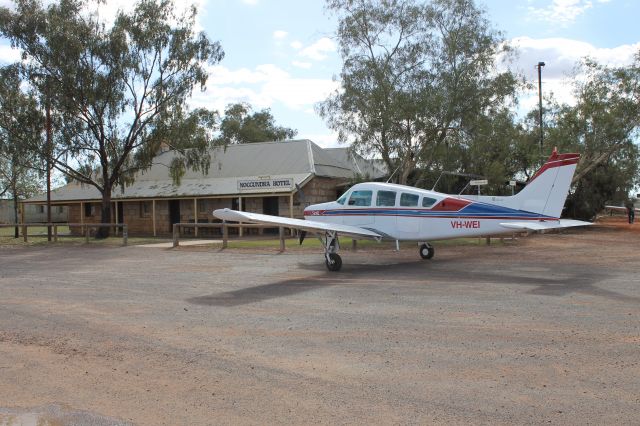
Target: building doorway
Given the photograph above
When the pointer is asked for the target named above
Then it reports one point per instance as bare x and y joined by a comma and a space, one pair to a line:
121, 212
174, 213
270, 206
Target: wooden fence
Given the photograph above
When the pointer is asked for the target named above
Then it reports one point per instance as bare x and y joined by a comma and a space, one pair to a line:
84, 227
224, 227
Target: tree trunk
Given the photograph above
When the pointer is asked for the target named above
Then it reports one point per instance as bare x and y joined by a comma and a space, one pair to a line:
105, 216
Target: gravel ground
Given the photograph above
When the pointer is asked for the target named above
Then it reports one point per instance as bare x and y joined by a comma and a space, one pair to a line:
545, 329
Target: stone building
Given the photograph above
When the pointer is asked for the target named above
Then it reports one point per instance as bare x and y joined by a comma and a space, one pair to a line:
32, 213
277, 178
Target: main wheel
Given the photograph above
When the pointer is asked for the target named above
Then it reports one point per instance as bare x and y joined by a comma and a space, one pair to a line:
334, 262
427, 251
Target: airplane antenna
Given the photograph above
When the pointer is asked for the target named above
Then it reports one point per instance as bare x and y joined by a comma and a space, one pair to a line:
394, 172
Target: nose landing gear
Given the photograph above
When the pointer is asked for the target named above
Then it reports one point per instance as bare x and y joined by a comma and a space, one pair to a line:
331, 246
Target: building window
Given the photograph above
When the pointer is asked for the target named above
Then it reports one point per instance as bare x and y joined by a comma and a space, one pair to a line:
41, 209
202, 206
60, 209
145, 208
89, 210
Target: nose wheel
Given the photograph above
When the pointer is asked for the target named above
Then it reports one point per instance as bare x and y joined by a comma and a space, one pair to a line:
426, 251
331, 246
333, 262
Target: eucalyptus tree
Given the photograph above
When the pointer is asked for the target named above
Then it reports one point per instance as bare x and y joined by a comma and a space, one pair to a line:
414, 76
120, 89
603, 125
240, 125
21, 125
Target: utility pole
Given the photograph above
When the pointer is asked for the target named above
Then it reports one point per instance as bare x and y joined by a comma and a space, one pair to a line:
539, 66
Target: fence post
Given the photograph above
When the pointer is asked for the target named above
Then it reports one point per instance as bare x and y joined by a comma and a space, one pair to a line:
55, 233
86, 233
354, 244
24, 233
225, 234
176, 241
125, 234
281, 232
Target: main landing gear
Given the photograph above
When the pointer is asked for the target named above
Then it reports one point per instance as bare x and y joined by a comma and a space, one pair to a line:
331, 246
426, 250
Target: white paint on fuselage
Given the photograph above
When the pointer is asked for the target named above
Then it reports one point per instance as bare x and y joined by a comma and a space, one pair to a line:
395, 225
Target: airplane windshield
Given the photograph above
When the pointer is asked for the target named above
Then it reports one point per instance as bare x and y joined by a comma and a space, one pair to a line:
342, 199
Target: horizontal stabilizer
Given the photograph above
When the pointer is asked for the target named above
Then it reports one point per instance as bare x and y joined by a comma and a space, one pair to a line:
548, 224
305, 225
621, 208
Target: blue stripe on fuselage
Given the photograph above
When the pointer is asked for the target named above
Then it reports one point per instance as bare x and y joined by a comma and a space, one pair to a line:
473, 210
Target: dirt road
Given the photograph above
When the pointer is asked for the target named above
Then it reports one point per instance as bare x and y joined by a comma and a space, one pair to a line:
544, 329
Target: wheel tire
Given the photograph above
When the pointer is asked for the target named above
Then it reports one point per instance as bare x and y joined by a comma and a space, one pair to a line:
334, 263
426, 251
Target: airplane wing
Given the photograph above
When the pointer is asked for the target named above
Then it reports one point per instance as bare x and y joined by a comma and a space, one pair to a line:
304, 225
541, 226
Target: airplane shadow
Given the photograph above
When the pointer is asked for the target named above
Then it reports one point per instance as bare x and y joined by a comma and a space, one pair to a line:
443, 273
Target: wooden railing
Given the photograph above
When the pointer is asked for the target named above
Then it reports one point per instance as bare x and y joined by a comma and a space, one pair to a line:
224, 227
83, 226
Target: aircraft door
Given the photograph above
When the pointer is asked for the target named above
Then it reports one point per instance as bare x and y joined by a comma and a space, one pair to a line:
385, 211
408, 215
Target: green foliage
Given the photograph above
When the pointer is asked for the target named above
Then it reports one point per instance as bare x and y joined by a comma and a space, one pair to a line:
20, 128
118, 90
240, 126
415, 78
603, 127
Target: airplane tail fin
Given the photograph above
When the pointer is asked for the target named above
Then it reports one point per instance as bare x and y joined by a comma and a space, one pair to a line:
547, 190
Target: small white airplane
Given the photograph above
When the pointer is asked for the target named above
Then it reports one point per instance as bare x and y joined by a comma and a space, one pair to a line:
383, 211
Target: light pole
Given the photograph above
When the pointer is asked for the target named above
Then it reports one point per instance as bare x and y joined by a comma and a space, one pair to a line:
539, 66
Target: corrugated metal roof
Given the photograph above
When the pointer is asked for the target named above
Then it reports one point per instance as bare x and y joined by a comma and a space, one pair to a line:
296, 160
371, 169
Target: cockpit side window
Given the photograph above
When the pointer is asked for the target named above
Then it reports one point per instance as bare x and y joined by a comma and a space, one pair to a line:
360, 198
386, 198
342, 199
409, 200
428, 201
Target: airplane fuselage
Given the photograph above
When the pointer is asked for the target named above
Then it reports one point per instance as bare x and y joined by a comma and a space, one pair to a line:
406, 213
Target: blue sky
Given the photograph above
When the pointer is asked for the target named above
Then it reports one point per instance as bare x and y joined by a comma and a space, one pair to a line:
280, 53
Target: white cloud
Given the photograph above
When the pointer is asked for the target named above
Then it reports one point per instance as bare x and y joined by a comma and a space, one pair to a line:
319, 50
562, 57
9, 55
296, 44
325, 140
279, 34
300, 64
563, 12
262, 87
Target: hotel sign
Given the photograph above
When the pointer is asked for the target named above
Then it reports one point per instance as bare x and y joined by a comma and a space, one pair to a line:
265, 184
